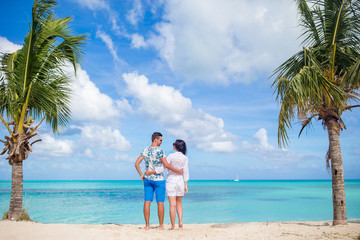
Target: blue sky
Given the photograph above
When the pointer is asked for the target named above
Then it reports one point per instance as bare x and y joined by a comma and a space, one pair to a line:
194, 70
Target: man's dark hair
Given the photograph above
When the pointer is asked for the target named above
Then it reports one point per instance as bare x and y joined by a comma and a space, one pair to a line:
155, 135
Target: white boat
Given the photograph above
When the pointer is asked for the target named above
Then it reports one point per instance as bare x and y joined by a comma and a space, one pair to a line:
236, 179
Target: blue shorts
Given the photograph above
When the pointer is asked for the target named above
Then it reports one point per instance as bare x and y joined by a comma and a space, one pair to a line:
157, 186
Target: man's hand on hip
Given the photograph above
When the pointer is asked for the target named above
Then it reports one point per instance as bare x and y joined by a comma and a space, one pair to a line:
179, 171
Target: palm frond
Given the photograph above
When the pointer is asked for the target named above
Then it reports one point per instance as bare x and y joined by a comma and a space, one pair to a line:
306, 123
319, 79
303, 95
49, 46
311, 32
351, 79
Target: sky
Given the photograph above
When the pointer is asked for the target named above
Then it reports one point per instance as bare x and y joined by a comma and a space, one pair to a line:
192, 70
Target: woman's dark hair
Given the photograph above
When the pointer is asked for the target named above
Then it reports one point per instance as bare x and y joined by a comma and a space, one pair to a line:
180, 146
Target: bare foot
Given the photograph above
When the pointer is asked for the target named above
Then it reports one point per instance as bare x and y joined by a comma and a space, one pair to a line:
172, 228
180, 226
161, 228
147, 228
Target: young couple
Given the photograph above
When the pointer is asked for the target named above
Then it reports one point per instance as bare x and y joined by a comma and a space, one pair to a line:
176, 181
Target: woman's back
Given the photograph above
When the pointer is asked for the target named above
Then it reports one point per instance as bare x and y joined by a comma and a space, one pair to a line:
179, 161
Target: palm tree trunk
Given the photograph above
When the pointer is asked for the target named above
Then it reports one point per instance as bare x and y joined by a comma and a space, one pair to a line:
337, 172
15, 209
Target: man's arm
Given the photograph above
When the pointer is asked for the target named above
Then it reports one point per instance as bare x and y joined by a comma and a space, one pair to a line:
137, 166
168, 166
157, 170
149, 172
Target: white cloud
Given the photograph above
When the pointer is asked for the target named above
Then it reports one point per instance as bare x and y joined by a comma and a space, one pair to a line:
123, 158
225, 41
155, 5
8, 47
103, 137
176, 114
262, 139
262, 149
88, 152
109, 44
164, 43
89, 104
50, 146
137, 41
100, 5
136, 13
94, 4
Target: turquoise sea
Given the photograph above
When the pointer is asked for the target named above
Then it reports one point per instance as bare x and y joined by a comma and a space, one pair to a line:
121, 202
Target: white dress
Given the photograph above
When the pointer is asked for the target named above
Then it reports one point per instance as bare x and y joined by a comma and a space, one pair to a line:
175, 182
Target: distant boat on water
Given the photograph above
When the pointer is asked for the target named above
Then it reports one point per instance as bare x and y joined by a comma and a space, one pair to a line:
236, 179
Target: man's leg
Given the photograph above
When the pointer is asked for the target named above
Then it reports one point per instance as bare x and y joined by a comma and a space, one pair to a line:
149, 195
172, 210
161, 214
160, 198
147, 214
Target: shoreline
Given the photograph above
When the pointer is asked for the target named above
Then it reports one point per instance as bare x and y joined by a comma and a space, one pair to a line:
247, 231
192, 180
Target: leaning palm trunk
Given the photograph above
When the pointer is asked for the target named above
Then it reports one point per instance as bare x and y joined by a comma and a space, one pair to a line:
337, 172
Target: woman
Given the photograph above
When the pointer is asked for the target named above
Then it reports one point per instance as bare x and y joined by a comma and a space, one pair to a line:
176, 185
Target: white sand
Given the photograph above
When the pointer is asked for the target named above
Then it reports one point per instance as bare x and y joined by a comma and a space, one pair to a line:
259, 231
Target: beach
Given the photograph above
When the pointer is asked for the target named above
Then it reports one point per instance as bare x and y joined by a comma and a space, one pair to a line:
246, 231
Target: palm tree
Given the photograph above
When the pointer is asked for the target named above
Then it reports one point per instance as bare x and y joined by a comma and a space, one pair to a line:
34, 85
322, 80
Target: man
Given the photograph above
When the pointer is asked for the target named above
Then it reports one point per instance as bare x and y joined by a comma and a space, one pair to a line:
154, 157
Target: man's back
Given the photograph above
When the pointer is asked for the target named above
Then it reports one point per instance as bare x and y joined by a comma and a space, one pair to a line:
152, 156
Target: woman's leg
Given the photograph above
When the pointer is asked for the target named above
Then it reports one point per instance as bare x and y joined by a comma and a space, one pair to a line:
172, 203
179, 210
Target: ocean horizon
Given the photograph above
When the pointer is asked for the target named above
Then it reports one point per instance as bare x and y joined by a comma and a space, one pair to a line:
208, 201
